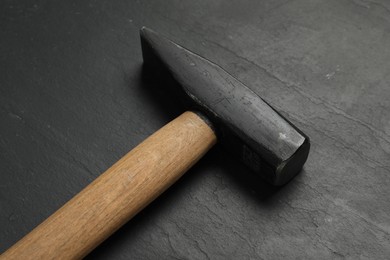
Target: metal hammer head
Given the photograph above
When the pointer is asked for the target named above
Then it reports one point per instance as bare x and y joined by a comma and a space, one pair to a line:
245, 124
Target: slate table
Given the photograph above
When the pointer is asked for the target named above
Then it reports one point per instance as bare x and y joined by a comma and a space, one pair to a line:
72, 102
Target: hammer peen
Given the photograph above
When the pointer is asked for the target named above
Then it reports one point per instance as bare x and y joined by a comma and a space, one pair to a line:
219, 108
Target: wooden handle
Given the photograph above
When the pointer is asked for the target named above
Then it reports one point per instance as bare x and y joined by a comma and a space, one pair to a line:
119, 193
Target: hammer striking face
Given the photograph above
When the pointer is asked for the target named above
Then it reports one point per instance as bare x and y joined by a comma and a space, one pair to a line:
245, 124
226, 111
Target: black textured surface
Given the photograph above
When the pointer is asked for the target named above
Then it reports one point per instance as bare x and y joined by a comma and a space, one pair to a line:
72, 102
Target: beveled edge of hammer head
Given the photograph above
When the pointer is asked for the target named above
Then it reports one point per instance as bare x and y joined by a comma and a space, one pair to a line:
248, 126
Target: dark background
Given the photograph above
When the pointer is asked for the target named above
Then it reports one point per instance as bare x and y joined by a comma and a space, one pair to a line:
72, 102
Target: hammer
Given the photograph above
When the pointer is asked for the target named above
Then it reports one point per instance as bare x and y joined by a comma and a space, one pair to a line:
219, 108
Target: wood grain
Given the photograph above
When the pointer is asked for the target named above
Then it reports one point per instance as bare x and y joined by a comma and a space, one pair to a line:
119, 193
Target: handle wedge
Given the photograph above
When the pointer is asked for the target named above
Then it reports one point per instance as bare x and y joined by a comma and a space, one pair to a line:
119, 193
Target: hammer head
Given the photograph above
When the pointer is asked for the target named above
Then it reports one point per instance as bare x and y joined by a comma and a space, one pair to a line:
245, 124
